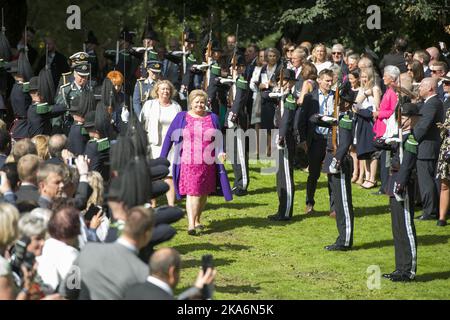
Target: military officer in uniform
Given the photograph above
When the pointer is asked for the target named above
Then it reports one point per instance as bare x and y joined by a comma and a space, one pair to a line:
144, 87
75, 60
68, 92
20, 101
401, 198
40, 114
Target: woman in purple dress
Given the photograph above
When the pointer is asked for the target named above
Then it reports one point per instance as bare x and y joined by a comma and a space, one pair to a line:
197, 142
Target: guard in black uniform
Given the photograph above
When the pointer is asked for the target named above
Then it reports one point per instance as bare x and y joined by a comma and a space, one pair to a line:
78, 135
40, 114
97, 124
20, 101
338, 166
285, 145
401, 198
238, 119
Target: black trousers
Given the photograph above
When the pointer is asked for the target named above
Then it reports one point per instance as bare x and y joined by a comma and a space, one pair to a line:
285, 179
384, 171
341, 186
316, 154
240, 161
426, 173
404, 232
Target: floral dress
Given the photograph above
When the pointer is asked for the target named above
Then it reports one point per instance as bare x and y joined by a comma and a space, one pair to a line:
443, 168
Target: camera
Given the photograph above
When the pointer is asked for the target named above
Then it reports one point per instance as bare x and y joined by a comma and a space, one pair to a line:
21, 256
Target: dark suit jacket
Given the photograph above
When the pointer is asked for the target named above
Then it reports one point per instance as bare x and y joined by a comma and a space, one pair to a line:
310, 107
394, 59
426, 132
146, 291
27, 193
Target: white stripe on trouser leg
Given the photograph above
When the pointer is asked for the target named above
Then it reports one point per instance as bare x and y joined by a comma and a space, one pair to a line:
346, 211
412, 242
242, 160
287, 175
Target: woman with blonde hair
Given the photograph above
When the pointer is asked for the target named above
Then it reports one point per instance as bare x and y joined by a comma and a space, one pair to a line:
157, 115
368, 100
319, 57
197, 172
41, 143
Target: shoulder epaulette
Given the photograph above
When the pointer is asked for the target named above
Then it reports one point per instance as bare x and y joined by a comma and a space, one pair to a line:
241, 83
26, 87
215, 69
411, 144
65, 85
290, 103
66, 74
43, 108
346, 122
141, 79
103, 144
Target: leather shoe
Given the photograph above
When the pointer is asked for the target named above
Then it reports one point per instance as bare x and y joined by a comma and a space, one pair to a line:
425, 218
390, 275
240, 192
333, 214
309, 209
277, 217
336, 247
401, 277
192, 232
441, 223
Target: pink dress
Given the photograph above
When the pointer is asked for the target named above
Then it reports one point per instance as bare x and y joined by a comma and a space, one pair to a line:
387, 108
197, 176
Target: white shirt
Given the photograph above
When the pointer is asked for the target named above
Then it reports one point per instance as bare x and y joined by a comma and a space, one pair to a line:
322, 66
55, 262
160, 284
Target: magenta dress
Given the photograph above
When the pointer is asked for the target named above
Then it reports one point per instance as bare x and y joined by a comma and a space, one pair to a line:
197, 177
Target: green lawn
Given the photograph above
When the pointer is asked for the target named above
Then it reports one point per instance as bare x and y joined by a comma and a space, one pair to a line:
260, 259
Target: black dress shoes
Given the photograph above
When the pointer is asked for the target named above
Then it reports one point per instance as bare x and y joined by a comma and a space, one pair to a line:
401, 277
336, 247
240, 192
277, 217
392, 274
441, 223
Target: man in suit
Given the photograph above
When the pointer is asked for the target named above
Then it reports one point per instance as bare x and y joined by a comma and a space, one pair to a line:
27, 168
56, 144
427, 135
107, 270
165, 266
438, 70
50, 179
314, 138
424, 58
396, 57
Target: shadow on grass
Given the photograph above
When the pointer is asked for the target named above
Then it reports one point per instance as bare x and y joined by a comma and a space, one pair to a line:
219, 226
186, 248
238, 289
426, 240
262, 191
232, 205
197, 263
445, 275
370, 211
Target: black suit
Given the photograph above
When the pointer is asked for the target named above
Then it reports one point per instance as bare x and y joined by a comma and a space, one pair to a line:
394, 59
427, 134
146, 291
316, 142
27, 193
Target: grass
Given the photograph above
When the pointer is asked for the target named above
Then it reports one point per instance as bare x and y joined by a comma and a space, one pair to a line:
260, 259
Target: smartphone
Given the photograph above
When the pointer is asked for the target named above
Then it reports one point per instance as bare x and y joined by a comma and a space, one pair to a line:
71, 162
207, 262
92, 211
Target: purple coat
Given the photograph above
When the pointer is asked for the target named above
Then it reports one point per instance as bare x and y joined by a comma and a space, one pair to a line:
223, 185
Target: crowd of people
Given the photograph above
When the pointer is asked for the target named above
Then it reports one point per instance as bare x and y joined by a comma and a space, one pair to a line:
90, 145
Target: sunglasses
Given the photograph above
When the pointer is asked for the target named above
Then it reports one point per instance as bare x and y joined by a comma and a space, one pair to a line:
434, 71
410, 69
446, 83
336, 53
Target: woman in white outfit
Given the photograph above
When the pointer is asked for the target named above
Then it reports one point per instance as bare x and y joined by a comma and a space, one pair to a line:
157, 115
